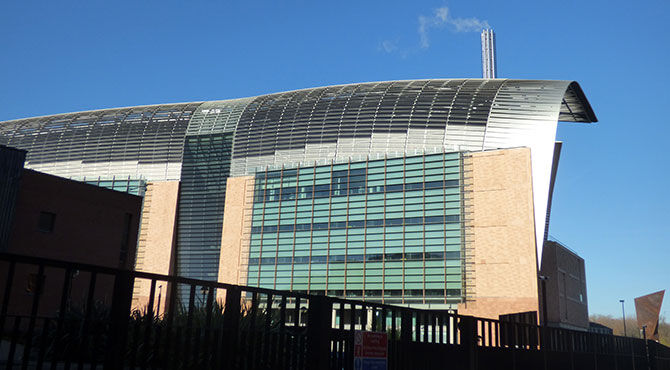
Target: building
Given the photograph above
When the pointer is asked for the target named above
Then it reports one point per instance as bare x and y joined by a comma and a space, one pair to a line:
594, 327
52, 217
421, 192
565, 285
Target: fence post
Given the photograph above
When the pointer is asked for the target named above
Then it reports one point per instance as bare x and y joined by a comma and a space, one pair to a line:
468, 339
572, 348
405, 347
120, 313
231, 324
319, 320
596, 347
632, 351
649, 351
544, 347
406, 326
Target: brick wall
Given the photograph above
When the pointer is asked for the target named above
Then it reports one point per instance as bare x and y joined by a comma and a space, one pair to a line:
501, 234
156, 245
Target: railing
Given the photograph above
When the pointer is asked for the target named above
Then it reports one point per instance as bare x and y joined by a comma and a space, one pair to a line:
57, 314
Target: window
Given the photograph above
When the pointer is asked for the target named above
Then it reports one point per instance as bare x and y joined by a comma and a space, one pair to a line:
46, 222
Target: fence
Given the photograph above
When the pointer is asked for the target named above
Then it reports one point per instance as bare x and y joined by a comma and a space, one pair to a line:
58, 314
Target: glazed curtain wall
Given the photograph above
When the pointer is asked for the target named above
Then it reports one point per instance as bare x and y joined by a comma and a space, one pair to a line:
201, 201
127, 185
385, 229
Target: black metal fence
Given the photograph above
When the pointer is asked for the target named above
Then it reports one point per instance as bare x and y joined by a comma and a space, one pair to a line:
58, 314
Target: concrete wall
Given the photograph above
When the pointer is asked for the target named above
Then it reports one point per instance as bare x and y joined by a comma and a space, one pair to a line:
156, 245
500, 240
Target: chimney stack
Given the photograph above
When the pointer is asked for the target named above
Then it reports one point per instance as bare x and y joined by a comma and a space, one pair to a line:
489, 66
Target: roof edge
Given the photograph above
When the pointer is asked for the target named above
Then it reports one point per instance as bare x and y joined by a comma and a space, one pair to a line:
575, 107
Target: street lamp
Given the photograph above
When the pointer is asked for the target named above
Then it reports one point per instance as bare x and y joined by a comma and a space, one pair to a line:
623, 313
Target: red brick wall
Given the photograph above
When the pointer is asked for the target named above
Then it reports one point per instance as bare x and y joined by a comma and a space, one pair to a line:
90, 226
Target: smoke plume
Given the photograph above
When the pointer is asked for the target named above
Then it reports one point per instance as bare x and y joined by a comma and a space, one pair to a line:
442, 18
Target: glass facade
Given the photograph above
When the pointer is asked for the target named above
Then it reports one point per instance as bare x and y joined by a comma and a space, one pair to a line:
387, 230
201, 201
127, 185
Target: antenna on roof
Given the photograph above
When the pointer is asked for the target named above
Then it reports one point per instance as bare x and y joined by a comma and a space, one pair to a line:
489, 66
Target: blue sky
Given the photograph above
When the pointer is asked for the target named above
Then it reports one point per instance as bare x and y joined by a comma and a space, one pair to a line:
611, 200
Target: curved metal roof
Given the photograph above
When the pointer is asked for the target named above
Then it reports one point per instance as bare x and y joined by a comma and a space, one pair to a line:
343, 120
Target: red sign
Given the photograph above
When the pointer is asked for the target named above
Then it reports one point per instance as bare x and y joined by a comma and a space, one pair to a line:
370, 350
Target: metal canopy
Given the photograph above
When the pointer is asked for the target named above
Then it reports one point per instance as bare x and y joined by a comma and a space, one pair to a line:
575, 107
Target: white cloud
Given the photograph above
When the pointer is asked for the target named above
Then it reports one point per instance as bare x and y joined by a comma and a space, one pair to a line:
442, 13
442, 18
389, 46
